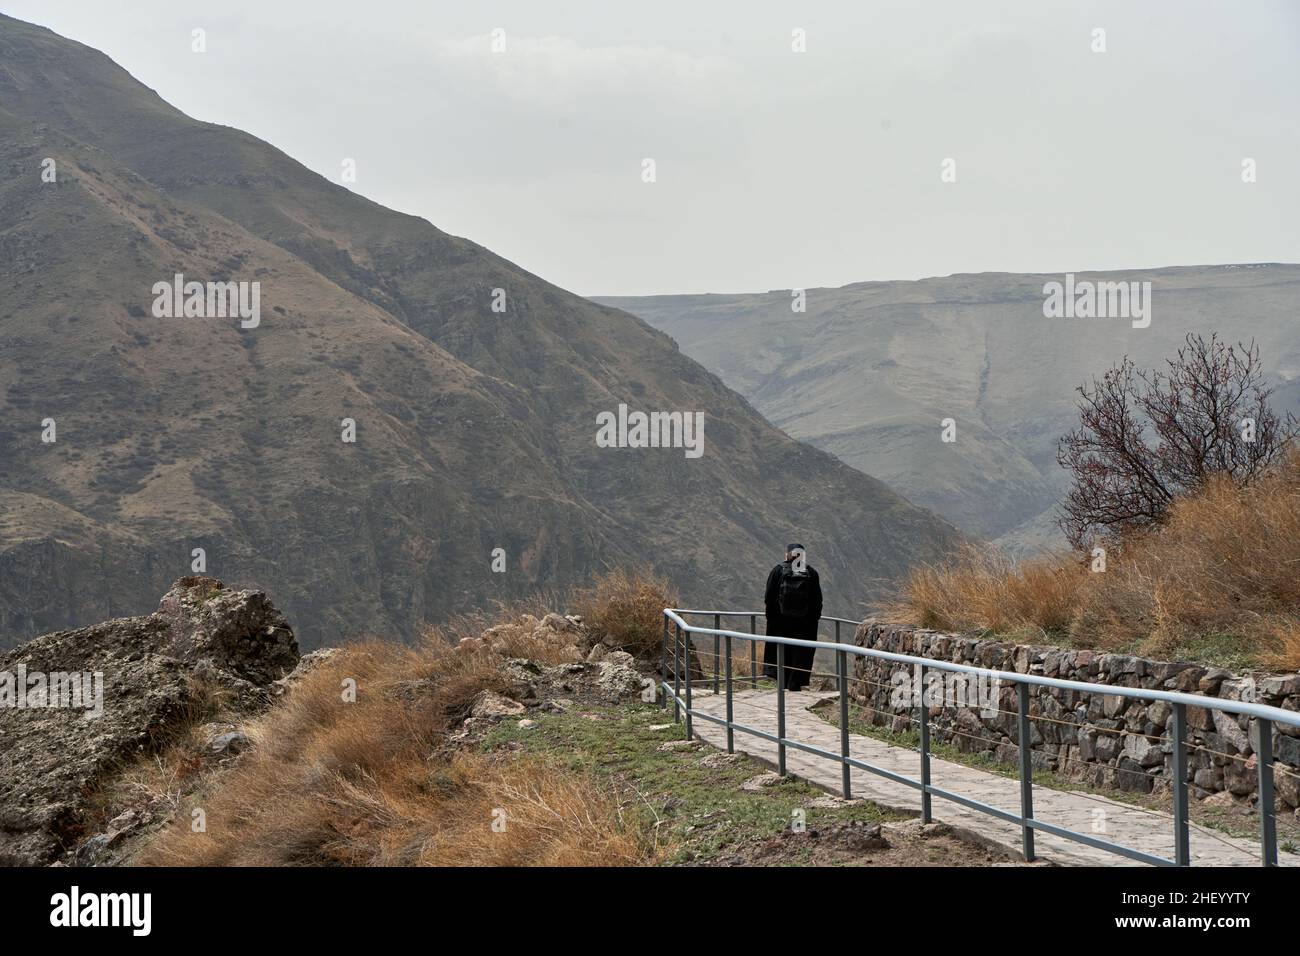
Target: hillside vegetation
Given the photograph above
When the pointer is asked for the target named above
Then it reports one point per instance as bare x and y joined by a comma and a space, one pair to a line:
524, 742
1218, 580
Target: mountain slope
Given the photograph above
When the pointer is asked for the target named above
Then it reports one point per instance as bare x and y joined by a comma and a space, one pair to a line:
475, 429
872, 369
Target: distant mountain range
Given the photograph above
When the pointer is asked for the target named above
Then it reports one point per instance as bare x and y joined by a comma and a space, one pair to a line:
870, 372
475, 428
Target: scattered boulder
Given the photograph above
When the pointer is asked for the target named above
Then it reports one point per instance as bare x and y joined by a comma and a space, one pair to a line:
522, 677
227, 744
560, 624
720, 759
1224, 798
858, 837
610, 681
669, 745
618, 681
490, 705
931, 830
306, 664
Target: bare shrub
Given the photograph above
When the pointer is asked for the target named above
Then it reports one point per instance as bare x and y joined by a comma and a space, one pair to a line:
1147, 437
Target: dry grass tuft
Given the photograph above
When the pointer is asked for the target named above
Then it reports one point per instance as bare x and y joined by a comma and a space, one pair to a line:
625, 610
1224, 568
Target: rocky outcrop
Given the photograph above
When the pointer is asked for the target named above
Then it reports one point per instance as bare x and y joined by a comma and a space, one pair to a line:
139, 682
1106, 741
587, 671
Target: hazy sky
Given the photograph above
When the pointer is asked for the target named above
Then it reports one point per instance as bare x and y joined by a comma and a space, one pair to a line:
774, 169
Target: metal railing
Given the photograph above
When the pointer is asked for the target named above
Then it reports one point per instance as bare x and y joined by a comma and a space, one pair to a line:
679, 692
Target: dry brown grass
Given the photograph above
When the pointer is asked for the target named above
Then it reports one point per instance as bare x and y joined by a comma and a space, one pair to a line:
1225, 566
981, 589
625, 610
371, 782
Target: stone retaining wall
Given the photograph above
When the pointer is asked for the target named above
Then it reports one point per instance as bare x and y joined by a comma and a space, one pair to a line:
1106, 741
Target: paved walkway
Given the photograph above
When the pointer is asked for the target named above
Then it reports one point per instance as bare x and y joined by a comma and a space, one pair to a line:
1144, 830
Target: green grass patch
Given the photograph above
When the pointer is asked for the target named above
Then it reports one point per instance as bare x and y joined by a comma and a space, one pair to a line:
698, 812
1217, 649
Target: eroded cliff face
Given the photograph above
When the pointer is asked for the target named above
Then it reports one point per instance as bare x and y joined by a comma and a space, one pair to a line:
78, 706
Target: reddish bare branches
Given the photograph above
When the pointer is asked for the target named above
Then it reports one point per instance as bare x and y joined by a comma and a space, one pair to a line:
1145, 437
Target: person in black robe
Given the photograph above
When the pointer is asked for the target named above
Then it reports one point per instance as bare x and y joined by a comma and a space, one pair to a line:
792, 603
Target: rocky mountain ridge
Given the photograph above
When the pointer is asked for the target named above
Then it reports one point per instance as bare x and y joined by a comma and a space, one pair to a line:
180, 445
872, 371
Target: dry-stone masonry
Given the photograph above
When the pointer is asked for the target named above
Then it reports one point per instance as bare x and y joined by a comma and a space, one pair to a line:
1105, 741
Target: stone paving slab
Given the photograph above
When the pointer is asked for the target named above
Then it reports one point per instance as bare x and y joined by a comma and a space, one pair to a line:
1141, 829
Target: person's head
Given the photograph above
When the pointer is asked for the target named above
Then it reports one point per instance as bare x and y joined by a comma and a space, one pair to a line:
792, 551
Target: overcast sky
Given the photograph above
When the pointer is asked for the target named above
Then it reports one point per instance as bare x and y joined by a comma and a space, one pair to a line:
774, 168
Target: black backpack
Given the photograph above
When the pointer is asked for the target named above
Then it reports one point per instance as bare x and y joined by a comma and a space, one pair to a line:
794, 596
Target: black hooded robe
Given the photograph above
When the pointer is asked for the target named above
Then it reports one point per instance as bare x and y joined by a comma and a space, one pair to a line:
798, 660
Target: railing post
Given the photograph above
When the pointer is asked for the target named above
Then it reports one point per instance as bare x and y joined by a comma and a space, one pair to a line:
1026, 774
676, 673
780, 709
1182, 834
687, 653
731, 733
925, 753
842, 675
753, 652
1267, 821
663, 664
717, 650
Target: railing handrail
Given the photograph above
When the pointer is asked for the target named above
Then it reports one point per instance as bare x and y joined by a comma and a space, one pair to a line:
1264, 711
824, 617
1265, 715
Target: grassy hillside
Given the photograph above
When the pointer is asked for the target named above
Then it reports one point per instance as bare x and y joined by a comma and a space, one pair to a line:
475, 428
413, 772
